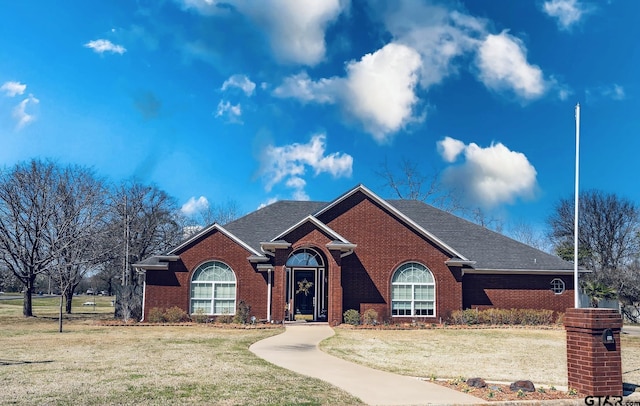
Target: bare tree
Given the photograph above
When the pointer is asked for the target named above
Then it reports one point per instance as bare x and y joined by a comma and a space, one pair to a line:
221, 213
26, 210
78, 224
408, 182
607, 225
608, 238
527, 234
143, 222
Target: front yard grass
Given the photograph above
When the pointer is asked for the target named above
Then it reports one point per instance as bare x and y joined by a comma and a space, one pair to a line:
497, 354
91, 364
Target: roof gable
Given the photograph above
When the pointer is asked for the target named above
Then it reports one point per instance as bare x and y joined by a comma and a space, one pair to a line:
323, 227
209, 230
398, 214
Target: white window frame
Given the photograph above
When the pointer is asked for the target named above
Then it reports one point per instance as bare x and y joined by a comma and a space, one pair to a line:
413, 286
213, 284
557, 288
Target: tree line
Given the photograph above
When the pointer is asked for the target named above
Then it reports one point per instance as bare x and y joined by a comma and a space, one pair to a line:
64, 223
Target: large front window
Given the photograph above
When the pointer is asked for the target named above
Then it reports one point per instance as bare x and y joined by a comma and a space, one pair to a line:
413, 291
213, 289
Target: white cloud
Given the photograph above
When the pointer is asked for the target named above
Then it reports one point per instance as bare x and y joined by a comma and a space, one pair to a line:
12, 89
493, 175
303, 88
193, 205
567, 12
20, 112
289, 163
449, 148
269, 201
502, 60
295, 28
230, 111
104, 45
242, 82
438, 33
378, 90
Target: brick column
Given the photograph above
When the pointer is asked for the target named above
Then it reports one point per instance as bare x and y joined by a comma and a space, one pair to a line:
335, 290
594, 368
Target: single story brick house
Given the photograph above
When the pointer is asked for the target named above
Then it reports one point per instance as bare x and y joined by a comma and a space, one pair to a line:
314, 260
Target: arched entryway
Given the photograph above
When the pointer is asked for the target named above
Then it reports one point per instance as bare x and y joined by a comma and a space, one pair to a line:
307, 294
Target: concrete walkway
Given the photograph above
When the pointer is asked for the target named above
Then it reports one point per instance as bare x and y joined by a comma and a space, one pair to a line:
297, 350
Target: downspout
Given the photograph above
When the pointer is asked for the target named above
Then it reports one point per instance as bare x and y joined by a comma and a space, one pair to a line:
269, 295
144, 295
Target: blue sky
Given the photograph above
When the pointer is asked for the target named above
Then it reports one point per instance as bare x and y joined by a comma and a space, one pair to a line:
302, 99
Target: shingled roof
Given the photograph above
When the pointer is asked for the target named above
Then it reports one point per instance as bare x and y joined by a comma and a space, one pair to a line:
472, 244
488, 249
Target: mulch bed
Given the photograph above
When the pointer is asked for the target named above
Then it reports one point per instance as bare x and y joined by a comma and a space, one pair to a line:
501, 392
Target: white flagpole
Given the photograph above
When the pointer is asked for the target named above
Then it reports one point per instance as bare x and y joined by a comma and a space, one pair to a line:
576, 204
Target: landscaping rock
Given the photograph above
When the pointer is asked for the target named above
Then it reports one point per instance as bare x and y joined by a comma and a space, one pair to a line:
476, 383
525, 386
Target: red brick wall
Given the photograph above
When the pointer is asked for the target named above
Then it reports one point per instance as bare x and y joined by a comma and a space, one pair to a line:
165, 289
384, 243
594, 369
516, 292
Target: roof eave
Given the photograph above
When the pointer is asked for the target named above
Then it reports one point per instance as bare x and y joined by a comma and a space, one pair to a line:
481, 271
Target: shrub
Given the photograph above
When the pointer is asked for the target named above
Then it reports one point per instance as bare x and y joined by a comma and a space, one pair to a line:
175, 315
352, 317
199, 316
468, 316
156, 315
243, 313
370, 317
531, 317
225, 319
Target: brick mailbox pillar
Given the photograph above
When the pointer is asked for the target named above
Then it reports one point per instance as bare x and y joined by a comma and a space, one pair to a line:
593, 351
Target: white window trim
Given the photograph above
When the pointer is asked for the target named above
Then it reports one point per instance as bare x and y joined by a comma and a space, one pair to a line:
553, 286
213, 291
413, 285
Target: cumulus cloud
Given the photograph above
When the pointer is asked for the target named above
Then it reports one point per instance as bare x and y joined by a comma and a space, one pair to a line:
20, 112
490, 176
437, 33
502, 60
12, 89
229, 111
295, 28
449, 148
289, 163
241, 82
378, 90
194, 205
101, 46
567, 12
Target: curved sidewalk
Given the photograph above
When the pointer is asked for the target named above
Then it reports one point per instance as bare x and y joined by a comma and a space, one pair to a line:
297, 350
